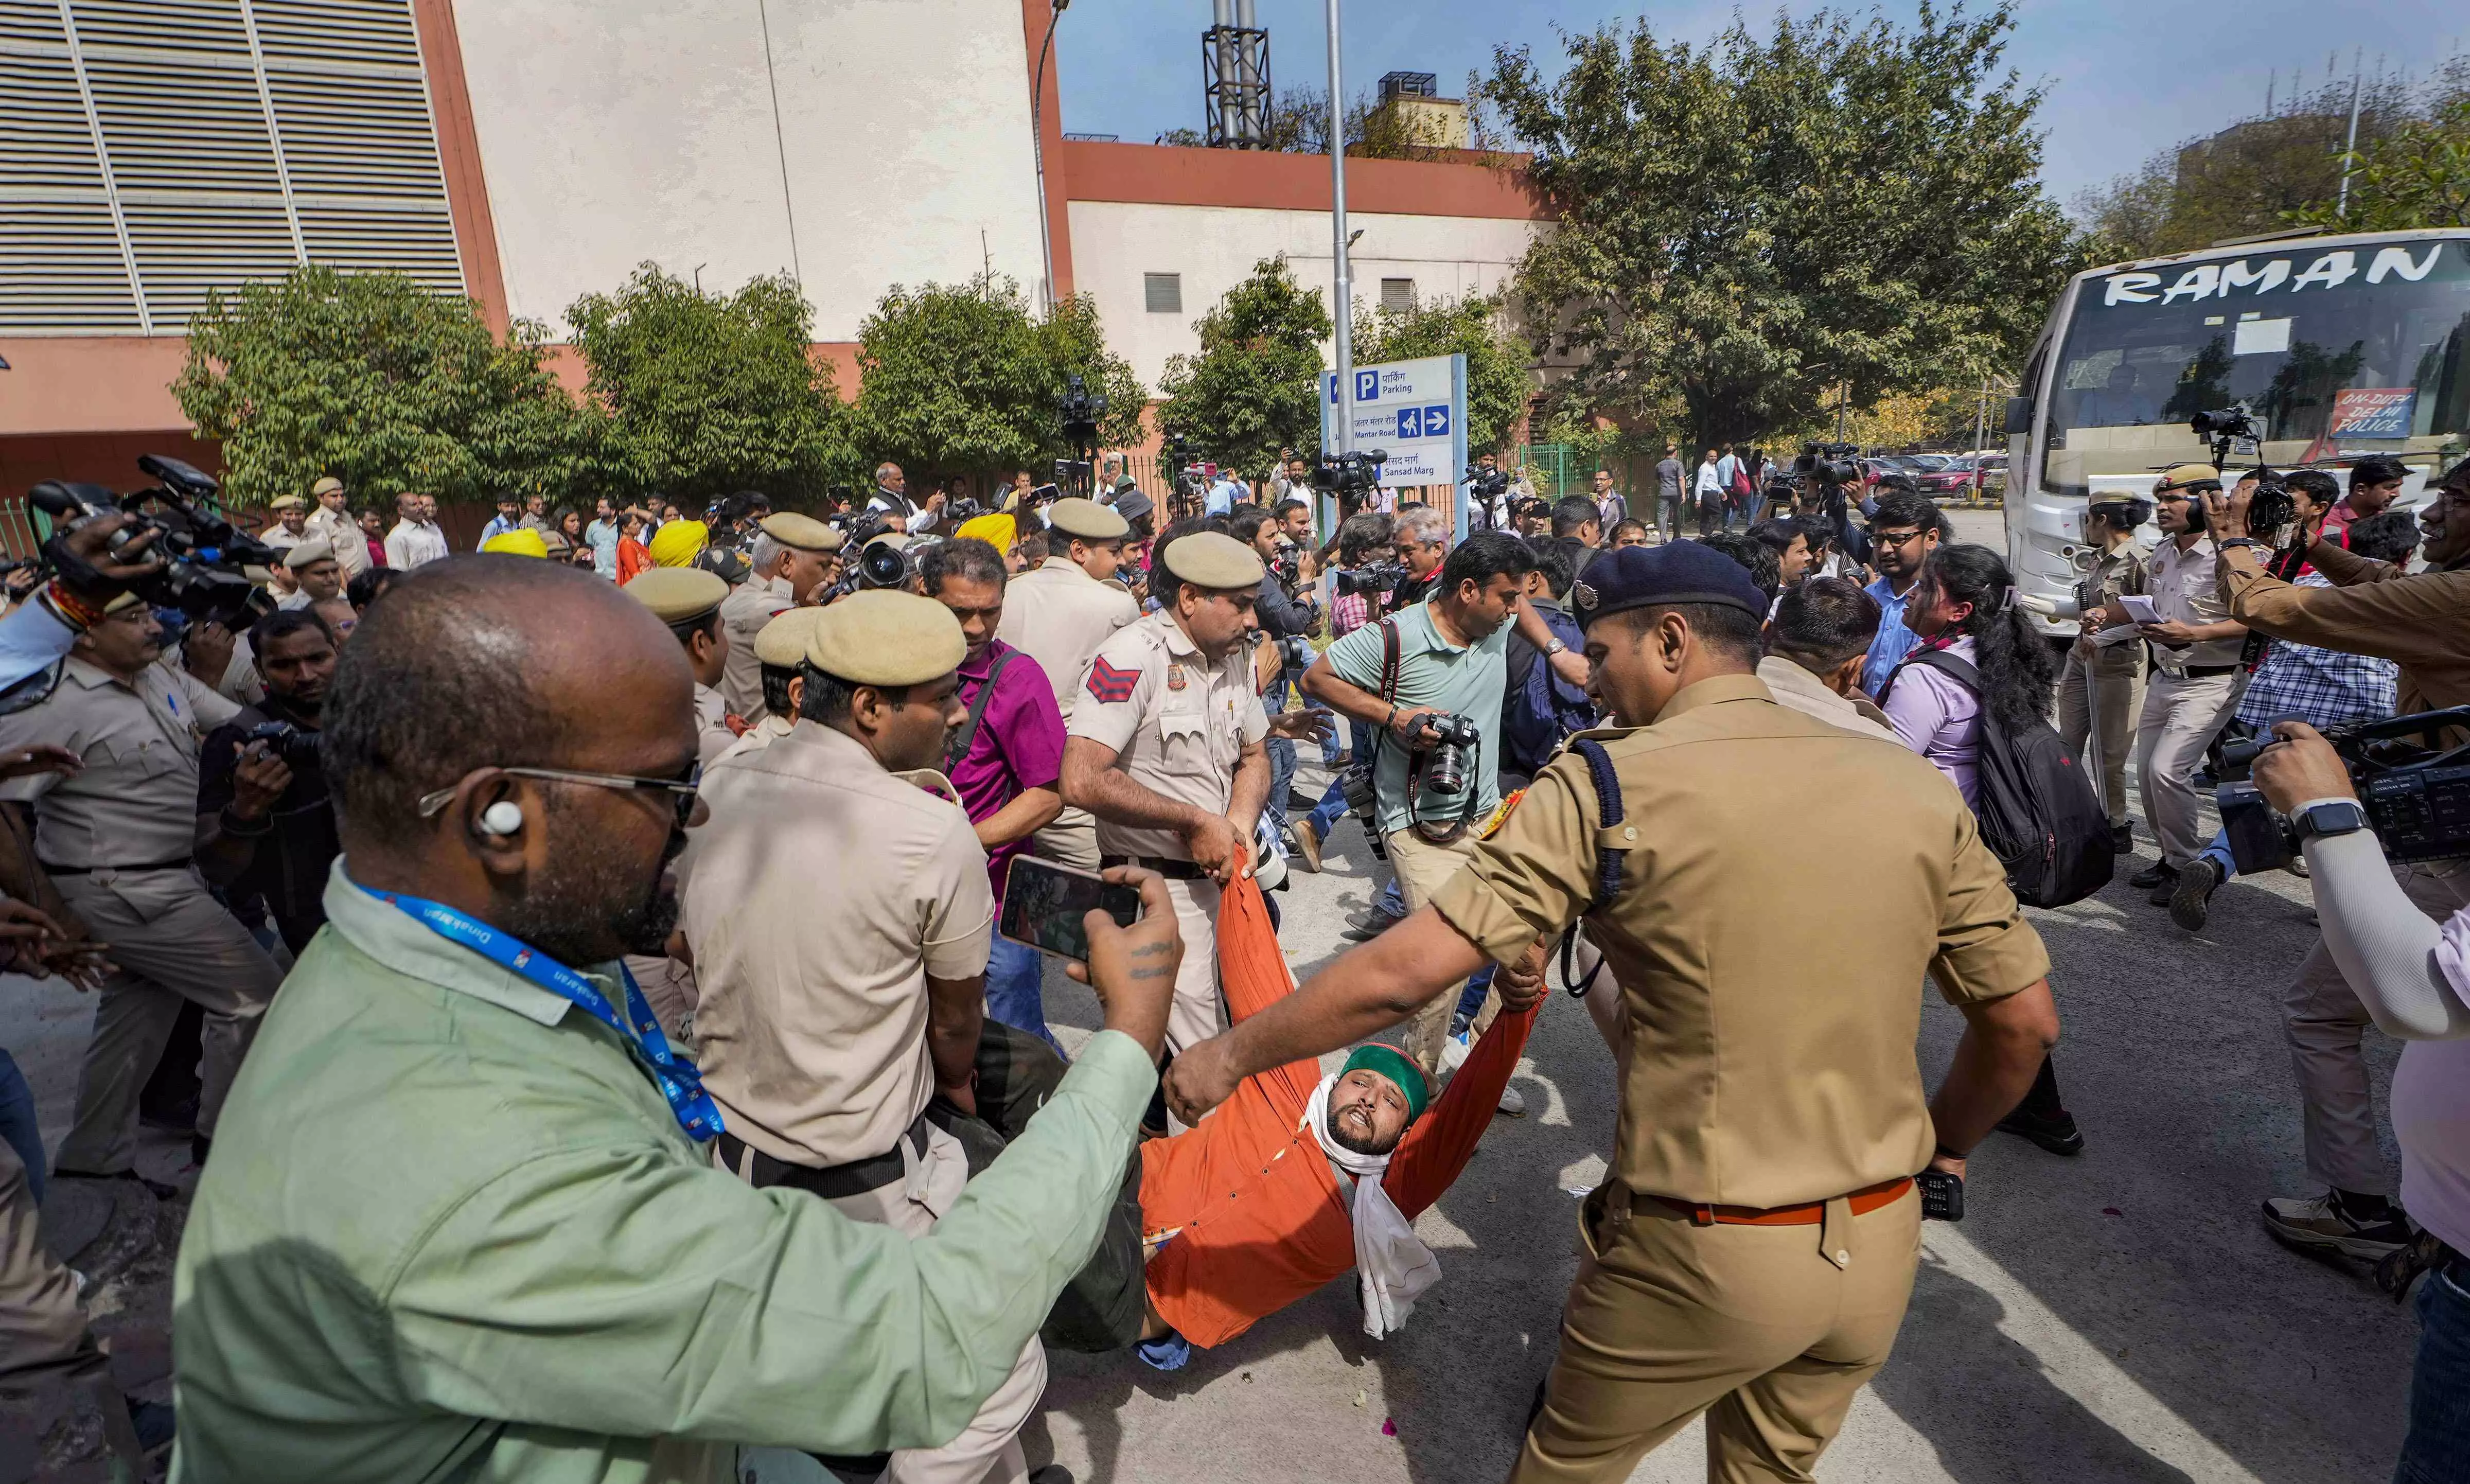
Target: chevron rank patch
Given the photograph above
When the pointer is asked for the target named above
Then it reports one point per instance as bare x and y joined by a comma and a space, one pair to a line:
1111, 685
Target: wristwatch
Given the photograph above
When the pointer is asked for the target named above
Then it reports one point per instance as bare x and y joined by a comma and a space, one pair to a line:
2330, 817
1554, 646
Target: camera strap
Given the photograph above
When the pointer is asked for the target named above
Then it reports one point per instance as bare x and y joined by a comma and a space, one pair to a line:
957, 746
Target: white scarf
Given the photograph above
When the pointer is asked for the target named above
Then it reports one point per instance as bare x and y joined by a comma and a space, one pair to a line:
1391, 1265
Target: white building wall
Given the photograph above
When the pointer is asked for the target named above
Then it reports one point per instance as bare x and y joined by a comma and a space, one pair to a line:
616, 131
1214, 248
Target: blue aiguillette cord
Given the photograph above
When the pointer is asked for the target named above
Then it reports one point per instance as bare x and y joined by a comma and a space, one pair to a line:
672, 1071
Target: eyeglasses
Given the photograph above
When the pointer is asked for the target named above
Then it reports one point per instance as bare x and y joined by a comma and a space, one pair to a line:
683, 787
1894, 537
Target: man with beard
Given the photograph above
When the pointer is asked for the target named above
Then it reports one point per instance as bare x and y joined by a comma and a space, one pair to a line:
266, 827
464, 1220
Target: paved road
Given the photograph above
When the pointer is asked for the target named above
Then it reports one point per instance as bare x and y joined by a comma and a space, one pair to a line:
2116, 1317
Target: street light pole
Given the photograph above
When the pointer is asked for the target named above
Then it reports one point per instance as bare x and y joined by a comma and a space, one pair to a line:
1342, 290
1038, 148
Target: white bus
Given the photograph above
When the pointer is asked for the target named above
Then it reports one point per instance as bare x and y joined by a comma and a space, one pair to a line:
2337, 348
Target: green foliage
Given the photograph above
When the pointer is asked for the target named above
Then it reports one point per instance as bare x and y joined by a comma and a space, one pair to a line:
377, 380
1498, 379
704, 394
962, 379
1745, 226
2416, 176
1255, 386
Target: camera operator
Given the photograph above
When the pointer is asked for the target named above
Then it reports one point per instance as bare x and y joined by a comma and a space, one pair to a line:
264, 826
2407, 952
891, 498
1443, 661
2423, 623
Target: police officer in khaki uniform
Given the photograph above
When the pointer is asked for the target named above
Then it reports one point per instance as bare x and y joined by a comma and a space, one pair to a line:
779, 648
792, 555
2105, 663
1751, 1251
822, 1048
1059, 615
118, 838
1164, 745
290, 525
333, 520
687, 599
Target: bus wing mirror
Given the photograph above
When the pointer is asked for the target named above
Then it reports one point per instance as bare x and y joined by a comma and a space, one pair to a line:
2020, 415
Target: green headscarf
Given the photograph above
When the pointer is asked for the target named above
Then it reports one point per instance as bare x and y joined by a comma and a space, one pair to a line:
1392, 1063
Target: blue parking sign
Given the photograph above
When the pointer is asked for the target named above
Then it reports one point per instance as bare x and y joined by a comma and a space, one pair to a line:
1436, 421
1367, 385
1410, 423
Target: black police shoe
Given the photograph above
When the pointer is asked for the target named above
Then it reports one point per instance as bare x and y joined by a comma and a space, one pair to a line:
2055, 1132
2122, 838
2153, 875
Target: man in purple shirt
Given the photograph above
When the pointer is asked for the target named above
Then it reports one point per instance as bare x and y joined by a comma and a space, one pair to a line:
1005, 759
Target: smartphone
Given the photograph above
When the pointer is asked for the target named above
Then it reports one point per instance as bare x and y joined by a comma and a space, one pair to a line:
1044, 903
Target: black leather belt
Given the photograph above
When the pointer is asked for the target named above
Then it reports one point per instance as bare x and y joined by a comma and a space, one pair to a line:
2206, 671
1173, 871
50, 870
831, 1182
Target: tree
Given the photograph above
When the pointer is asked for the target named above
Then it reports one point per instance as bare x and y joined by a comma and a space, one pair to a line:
2417, 177
1742, 227
963, 379
1255, 387
1498, 381
380, 382
704, 394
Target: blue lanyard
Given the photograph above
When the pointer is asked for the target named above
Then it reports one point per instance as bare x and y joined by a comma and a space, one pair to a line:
672, 1071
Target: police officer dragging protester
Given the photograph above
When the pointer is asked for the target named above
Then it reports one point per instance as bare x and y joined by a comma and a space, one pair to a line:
1751, 1251
1057, 616
791, 557
1165, 745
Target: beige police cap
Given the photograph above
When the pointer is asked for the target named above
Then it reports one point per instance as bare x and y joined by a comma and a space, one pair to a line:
329, 482
1087, 520
314, 549
1209, 560
121, 604
287, 502
2186, 476
884, 637
782, 642
803, 531
678, 594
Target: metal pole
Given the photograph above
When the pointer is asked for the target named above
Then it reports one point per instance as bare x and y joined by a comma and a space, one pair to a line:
1980, 432
1038, 148
2341, 207
1342, 289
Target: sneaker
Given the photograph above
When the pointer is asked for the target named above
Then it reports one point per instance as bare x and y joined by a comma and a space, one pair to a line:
2151, 876
1307, 845
2321, 1224
2191, 899
2055, 1132
1513, 1103
1454, 1052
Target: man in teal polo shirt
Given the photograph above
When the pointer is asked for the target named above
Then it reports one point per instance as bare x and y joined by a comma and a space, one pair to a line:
462, 1221
1451, 658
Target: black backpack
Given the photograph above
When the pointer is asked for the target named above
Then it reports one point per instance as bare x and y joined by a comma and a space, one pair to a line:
2039, 815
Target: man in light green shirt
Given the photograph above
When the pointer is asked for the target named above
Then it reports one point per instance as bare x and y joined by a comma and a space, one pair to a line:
453, 1227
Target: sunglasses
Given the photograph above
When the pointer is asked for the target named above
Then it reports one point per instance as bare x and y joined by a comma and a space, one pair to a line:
682, 788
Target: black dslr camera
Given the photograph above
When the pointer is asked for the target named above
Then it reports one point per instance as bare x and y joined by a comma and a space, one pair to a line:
1448, 742
1377, 580
1829, 463
2414, 788
206, 558
296, 749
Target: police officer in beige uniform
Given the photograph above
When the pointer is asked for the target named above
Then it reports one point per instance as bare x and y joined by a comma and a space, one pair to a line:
290, 525
2106, 663
2196, 680
792, 555
1164, 745
1752, 1249
689, 600
822, 1048
333, 520
1059, 615
778, 649
118, 838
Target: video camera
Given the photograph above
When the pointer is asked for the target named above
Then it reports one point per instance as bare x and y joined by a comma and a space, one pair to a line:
1829, 463
1377, 580
1350, 477
867, 563
2224, 429
2414, 788
207, 557
1080, 410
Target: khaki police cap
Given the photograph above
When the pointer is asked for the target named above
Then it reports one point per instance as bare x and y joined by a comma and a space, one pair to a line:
1087, 520
330, 482
803, 531
287, 502
121, 604
782, 642
2187, 476
1207, 559
884, 638
313, 550
678, 594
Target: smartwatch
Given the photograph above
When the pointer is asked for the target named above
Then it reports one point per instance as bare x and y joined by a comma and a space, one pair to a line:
2330, 817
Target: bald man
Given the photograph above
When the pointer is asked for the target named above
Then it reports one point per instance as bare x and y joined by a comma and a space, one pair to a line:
462, 1216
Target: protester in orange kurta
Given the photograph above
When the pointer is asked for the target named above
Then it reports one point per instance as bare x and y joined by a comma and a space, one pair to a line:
1243, 1214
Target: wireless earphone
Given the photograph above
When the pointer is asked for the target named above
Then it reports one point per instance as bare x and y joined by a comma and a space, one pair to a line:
502, 818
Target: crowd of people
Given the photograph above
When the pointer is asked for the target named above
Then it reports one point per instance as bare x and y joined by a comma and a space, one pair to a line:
603, 978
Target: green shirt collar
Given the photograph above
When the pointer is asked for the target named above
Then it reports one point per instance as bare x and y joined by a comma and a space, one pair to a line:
401, 941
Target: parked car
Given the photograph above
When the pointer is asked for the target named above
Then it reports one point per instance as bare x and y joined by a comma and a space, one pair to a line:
1957, 475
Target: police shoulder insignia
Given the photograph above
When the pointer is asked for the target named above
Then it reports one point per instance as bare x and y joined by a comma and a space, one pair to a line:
1110, 685
1582, 594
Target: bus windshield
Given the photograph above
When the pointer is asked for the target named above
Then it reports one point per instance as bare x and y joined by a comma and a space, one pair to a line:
2333, 350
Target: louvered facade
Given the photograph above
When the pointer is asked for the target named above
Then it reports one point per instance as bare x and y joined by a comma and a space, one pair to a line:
153, 150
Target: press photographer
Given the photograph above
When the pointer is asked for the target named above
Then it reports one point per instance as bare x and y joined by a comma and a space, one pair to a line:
1430, 682
264, 826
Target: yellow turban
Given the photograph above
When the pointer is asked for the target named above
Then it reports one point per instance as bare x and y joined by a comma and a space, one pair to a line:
679, 542
998, 531
524, 541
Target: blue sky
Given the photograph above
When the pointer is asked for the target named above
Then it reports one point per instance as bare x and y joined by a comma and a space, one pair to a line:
2124, 79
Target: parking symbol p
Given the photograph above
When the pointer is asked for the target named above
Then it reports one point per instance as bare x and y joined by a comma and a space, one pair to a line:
1367, 385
